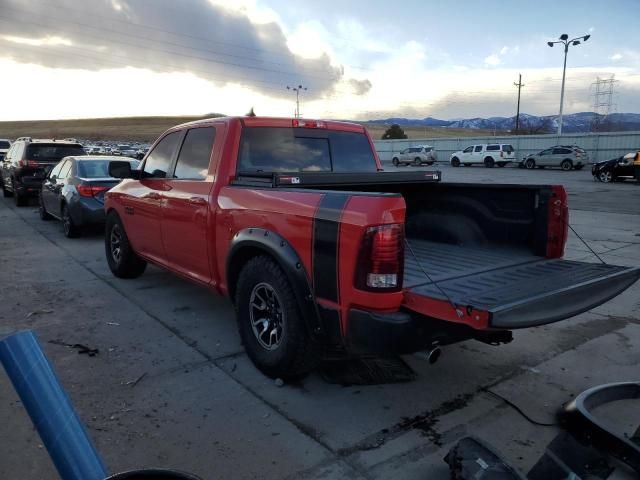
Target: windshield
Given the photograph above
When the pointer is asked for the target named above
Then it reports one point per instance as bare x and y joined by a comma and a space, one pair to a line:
267, 149
44, 152
98, 168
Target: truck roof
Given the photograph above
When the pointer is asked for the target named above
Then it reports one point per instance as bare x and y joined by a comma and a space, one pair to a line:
282, 122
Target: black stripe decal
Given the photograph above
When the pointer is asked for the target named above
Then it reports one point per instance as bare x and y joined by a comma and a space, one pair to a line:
326, 228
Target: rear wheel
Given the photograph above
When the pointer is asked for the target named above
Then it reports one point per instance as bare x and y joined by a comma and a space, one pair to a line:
70, 229
395, 161
566, 165
19, 199
272, 330
488, 162
122, 260
455, 162
44, 215
417, 161
530, 163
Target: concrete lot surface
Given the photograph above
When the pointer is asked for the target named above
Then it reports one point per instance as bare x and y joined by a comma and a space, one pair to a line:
199, 405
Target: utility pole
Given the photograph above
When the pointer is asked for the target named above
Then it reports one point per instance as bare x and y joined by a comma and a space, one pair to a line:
297, 89
519, 85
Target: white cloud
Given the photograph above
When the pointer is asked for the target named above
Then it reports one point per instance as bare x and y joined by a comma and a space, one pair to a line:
615, 57
39, 42
504, 50
492, 60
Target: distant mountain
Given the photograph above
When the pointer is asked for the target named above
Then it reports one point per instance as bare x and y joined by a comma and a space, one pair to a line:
573, 123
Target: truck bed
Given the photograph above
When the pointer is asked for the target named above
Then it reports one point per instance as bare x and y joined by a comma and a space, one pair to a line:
516, 288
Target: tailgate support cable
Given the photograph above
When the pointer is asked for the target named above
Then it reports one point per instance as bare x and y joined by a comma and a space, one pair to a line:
457, 311
586, 244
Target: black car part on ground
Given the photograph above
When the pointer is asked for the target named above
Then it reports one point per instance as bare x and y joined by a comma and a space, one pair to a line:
578, 419
472, 459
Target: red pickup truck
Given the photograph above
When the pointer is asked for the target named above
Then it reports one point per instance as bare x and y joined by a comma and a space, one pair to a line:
321, 251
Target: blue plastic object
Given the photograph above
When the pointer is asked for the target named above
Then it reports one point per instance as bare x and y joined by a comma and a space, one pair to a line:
50, 409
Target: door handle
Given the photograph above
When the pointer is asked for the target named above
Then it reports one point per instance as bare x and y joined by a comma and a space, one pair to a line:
197, 201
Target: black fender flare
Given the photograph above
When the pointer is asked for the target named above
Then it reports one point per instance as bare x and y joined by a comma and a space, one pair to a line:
251, 241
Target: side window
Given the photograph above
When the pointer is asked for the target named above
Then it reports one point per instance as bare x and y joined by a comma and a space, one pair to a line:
64, 170
56, 170
478, 148
468, 150
493, 147
159, 159
193, 160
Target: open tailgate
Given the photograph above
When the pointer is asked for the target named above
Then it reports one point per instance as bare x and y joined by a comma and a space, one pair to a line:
507, 290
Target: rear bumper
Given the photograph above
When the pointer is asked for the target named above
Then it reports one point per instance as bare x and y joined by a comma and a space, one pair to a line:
407, 332
87, 211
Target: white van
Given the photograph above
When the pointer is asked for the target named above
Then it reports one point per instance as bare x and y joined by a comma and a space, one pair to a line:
487, 154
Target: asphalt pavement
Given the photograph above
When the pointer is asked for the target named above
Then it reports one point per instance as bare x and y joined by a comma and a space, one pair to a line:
172, 386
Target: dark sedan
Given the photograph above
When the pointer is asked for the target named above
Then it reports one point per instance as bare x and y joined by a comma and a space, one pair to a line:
613, 170
73, 191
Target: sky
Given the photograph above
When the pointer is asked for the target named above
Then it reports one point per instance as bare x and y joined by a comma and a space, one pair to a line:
354, 59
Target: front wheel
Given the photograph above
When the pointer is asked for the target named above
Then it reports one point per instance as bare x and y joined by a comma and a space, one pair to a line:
455, 162
417, 161
123, 261
395, 162
605, 176
42, 211
272, 330
530, 164
566, 165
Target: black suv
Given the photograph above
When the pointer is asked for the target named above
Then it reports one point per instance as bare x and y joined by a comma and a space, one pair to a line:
28, 161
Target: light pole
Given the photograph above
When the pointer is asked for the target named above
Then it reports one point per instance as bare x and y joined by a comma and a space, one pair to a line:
297, 89
564, 39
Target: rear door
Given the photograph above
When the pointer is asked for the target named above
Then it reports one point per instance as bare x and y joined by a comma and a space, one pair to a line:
143, 202
48, 189
186, 232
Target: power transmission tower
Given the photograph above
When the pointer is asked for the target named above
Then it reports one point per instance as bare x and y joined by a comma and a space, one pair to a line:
602, 101
297, 89
519, 85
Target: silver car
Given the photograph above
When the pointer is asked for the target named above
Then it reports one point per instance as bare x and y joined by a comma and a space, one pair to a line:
415, 155
567, 157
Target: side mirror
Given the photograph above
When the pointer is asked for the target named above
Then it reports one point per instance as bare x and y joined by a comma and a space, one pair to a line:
121, 169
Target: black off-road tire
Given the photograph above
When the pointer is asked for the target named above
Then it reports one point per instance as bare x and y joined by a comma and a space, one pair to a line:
295, 355
455, 162
44, 215
126, 264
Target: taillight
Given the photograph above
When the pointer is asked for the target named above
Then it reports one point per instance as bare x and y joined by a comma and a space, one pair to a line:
90, 190
308, 124
381, 260
28, 163
501, 154
558, 222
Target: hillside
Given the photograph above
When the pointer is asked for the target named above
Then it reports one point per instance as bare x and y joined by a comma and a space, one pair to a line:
147, 129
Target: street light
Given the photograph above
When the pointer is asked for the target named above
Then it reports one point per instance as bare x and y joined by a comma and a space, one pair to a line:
564, 39
297, 89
